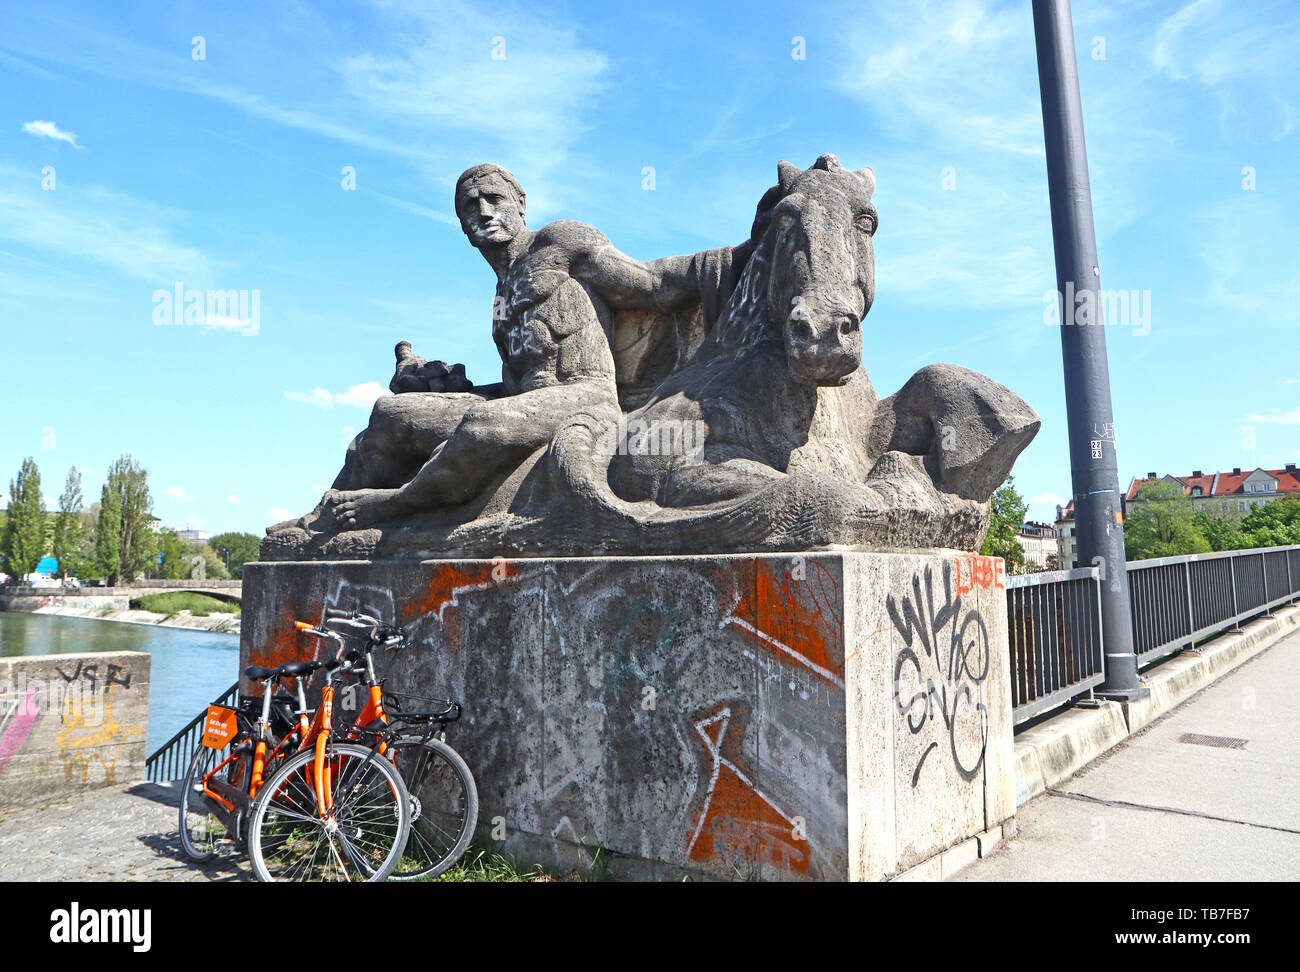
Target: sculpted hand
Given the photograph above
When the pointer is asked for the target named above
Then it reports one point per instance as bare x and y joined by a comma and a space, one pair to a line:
414, 373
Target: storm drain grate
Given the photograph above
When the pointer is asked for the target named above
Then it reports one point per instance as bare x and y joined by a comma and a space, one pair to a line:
1220, 742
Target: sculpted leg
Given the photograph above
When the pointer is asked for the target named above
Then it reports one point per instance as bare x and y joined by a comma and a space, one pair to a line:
493, 436
403, 433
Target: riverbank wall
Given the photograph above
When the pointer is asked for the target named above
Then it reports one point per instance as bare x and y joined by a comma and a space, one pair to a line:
71, 722
115, 608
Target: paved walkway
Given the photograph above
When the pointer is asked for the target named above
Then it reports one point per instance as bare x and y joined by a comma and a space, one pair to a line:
118, 833
1210, 792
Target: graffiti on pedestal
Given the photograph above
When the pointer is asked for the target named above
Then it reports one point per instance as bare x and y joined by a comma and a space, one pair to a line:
737, 821
795, 614
940, 672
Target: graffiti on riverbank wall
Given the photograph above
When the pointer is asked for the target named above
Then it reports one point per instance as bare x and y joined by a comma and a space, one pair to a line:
91, 734
67, 713
18, 712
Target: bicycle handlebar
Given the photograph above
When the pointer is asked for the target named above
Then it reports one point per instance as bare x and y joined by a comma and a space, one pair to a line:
391, 636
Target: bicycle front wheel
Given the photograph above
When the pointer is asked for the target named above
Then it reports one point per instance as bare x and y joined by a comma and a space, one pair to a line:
202, 832
444, 806
359, 838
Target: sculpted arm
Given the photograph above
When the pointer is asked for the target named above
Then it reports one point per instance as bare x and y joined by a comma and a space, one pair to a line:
666, 284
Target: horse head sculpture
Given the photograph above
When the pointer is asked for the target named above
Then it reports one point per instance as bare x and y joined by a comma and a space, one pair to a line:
821, 280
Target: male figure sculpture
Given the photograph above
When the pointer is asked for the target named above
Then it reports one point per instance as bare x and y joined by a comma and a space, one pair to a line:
551, 330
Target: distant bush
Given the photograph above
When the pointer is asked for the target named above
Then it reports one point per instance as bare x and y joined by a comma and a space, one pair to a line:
199, 605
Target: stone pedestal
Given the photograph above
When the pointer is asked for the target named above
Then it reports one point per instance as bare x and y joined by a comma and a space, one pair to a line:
830, 715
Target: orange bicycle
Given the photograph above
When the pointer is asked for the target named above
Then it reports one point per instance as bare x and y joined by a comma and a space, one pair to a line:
335, 810
217, 792
444, 796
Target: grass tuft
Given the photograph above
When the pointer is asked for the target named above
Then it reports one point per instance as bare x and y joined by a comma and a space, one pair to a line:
199, 605
482, 865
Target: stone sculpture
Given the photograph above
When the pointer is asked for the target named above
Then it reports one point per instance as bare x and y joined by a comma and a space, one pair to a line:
708, 403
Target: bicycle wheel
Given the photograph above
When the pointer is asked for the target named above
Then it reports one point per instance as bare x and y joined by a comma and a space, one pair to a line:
444, 806
360, 840
202, 832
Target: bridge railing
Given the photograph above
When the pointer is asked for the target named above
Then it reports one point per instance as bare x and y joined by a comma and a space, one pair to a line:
1177, 600
1054, 617
1054, 629
171, 760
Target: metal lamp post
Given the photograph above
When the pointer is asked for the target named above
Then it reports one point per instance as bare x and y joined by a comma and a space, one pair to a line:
1093, 468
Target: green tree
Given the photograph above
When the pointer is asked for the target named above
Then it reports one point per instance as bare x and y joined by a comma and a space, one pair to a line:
108, 535
1274, 524
1161, 523
1219, 531
214, 567
125, 542
88, 528
175, 561
1006, 517
66, 542
24, 536
235, 550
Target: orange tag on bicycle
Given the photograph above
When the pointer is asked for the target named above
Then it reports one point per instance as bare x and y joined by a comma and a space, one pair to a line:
219, 727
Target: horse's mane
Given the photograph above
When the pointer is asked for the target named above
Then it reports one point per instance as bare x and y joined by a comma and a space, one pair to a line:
745, 321
650, 345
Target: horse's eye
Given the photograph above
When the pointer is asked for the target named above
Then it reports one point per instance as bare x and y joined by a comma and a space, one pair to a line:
867, 223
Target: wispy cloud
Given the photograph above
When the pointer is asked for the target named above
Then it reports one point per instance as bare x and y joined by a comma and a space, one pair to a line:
1210, 41
441, 83
220, 322
359, 396
47, 129
131, 236
177, 493
723, 136
15, 63
963, 203
1281, 418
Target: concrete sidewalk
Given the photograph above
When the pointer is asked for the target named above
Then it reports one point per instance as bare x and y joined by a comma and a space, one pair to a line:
1209, 792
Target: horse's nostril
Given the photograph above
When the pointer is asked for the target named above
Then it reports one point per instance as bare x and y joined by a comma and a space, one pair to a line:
848, 325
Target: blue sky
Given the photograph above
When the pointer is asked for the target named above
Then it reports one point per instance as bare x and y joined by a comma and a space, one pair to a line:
226, 173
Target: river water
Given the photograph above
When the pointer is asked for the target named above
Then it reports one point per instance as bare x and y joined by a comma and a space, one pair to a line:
187, 671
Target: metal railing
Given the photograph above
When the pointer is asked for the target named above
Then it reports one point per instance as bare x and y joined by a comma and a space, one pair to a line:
1054, 621
1054, 630
171, 761
1177, 600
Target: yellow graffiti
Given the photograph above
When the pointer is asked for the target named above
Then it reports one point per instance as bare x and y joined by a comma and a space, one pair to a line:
92, 734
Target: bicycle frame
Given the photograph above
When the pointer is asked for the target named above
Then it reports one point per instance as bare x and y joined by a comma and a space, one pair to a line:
260, 741
320, 730
373, 717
